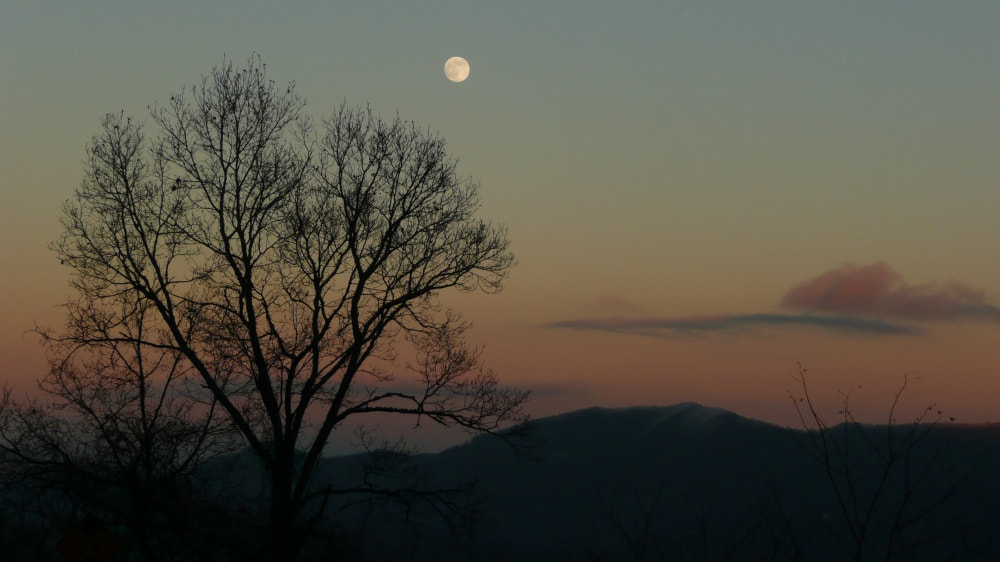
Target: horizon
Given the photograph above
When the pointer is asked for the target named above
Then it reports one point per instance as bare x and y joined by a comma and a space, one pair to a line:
437, 439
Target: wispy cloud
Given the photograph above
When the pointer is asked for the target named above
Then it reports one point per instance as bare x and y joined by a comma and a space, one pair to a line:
869, 299
688, 326
877, 290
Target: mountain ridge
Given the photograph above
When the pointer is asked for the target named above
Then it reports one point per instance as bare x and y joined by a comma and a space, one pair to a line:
595, 471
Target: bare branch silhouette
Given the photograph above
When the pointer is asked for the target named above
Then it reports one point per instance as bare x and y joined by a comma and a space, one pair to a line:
282, 276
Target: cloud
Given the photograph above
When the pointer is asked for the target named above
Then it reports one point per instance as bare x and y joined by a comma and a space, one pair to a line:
878, 290
678, 327
870, 299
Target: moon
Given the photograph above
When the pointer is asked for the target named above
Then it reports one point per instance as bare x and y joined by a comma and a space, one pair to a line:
456, 69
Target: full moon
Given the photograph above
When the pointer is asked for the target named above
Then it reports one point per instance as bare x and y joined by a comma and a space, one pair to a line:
456, 69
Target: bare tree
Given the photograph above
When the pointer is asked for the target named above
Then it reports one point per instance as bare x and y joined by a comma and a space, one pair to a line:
889, 482
639, 532
120, 437
293, 275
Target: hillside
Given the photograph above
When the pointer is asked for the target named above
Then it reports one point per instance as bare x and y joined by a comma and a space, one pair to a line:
688, 482
682, 482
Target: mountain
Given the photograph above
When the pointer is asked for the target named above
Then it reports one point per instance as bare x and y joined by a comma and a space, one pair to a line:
689, 482
680, 483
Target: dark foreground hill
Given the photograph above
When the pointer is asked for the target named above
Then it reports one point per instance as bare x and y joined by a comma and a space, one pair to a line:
678, 483
687, 482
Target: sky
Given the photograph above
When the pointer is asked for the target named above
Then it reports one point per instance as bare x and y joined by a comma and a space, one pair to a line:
701, 195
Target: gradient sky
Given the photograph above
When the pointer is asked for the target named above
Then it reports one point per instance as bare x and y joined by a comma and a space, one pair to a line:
700, 194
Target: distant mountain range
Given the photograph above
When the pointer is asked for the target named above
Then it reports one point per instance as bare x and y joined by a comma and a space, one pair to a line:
675, 483
689, 482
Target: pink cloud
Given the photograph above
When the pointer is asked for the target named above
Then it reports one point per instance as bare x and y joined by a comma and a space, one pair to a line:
877, 289
689, 326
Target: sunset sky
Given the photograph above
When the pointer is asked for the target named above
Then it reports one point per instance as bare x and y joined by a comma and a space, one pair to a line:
700, 194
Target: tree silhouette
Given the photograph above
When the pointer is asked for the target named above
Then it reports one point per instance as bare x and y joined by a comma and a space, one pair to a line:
124, 434
293, 275
889, 485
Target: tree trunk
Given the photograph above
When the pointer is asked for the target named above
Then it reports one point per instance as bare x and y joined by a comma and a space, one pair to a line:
282, 536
